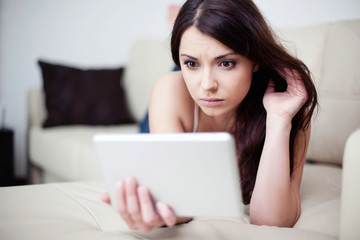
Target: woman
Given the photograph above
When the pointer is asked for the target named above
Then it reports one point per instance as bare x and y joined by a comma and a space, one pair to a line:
234, 77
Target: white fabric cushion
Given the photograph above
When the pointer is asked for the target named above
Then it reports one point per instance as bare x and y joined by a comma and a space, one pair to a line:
350, 198
307, 44
332, 53
338, 117
148, 60
74, 211
68, 151
339, 95
320, 199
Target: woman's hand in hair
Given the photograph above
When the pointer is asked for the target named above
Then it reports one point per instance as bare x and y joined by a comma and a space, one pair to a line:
285, 104
138, 209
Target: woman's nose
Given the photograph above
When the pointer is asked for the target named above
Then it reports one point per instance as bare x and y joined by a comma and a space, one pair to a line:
208, 81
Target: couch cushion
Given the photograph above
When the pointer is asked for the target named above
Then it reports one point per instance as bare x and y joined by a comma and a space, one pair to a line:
308, 44
57, 211
350, 193
339, 94
91, 97
320, 199
74, 211
332, 53
140, 75
68, 152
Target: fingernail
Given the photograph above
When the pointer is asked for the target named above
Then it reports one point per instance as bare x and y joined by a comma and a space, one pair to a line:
119, 184
132, 226
130, 180
142, 189
160, 205
165, 211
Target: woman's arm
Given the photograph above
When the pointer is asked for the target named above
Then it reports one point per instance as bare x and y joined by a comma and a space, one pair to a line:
275, 200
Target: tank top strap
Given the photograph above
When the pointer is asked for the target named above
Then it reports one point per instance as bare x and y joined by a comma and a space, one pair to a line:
196, 117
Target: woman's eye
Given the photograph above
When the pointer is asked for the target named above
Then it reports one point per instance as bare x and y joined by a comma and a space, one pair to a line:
227, 64
191, 64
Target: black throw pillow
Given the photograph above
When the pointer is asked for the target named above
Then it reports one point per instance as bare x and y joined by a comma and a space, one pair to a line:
84, 97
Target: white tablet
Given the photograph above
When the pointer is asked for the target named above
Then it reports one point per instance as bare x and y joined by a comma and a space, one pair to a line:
195, 173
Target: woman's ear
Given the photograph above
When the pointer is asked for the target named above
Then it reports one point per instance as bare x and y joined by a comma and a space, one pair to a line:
256, 67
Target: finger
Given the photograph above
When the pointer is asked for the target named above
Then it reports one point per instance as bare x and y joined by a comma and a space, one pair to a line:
270, 87
149, 215
166, 213
105, 198
295, 84
122, 206
292, 76
133, 205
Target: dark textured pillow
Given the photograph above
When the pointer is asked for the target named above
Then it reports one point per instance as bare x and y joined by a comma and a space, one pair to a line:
84, 97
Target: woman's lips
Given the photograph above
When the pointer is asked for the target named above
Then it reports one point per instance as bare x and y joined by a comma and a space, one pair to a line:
211, 102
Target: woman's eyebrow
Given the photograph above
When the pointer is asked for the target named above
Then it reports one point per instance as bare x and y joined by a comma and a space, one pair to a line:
226, 55
216, 58
186, 55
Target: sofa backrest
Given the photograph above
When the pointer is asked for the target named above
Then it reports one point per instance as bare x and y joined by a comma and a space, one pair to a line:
36, 107
149, 59
332, 53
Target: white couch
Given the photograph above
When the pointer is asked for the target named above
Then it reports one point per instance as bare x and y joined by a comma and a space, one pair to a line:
330, 195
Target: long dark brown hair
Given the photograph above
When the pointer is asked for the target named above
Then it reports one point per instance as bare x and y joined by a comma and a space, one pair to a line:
239, 25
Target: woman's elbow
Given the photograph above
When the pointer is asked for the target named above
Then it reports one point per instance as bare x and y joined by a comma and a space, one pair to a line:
274, 221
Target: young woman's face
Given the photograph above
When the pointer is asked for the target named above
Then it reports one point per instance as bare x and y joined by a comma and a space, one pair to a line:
217, 78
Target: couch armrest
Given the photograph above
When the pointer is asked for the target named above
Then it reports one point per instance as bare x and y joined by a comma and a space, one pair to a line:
350, 196
36, 107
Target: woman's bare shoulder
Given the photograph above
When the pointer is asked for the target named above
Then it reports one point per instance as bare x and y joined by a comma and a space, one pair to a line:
171, 81
171, 103
172, 87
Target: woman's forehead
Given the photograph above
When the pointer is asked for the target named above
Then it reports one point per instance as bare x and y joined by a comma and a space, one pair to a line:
195, 41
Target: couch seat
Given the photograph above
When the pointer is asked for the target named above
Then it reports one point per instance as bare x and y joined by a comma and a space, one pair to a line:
74, 211
65, 151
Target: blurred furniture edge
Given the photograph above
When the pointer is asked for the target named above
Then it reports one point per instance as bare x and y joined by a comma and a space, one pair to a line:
332, 53
7, 177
